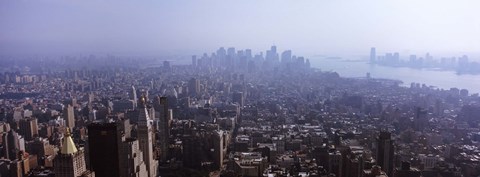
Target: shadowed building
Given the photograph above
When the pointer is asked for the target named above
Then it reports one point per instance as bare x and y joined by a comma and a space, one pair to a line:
385, 151
12, 144
28, 128
103, 148
161, 105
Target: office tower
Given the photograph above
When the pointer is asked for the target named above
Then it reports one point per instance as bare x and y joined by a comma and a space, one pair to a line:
413, 60
354, 161
218, 150
221, 54
272, 54
161, 105
133, 96
19, 167
91, 99
421, 119
193, 87
166, 65
145, 137
287, 56
396, 58
373, 55
104, 141
248, 53
69, 116
385, 152
71, 101
273, 49
28, 128
70, 161
251, 66
133, 158
120, 106
194, 61
231, 52
239, 98
43, 150
191, 148
45, 130
13, 143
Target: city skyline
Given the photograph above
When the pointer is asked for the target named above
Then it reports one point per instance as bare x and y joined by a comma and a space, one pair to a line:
214, 88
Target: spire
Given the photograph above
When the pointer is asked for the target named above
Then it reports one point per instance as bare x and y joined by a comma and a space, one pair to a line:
142, 101
68, 147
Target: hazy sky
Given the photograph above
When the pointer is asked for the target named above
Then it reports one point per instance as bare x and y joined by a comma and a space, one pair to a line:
165, 27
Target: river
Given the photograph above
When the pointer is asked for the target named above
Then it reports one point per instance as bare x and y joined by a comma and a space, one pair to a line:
436, 78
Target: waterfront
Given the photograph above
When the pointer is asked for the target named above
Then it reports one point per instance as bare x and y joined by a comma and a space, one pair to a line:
440, 79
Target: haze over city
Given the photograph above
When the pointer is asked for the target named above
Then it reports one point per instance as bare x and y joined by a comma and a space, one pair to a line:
252, 88
311, 27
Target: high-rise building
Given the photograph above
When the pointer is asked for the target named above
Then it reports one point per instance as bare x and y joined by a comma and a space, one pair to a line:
193, 87
28, 128
13, 143
194, 61
145, 137
70, 161
42, 149
161, 104
69, 116
166, 65
421, 119
104, 141
191, 147
239, 98
273, 49
373, 55
133, 96
385, 152
272, 54
248, 53
286, 56
231, 52
133, 158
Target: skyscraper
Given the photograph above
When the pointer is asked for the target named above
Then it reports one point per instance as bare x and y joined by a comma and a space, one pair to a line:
69, 116
287, 56
231, 52
70, 161
194, 61
104, 141
373, 55
145, 137
12, 144
161, 104
421, 119
385, 152
239, 98
133, 159
193, 87
133, 96
272, 54
28, 128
